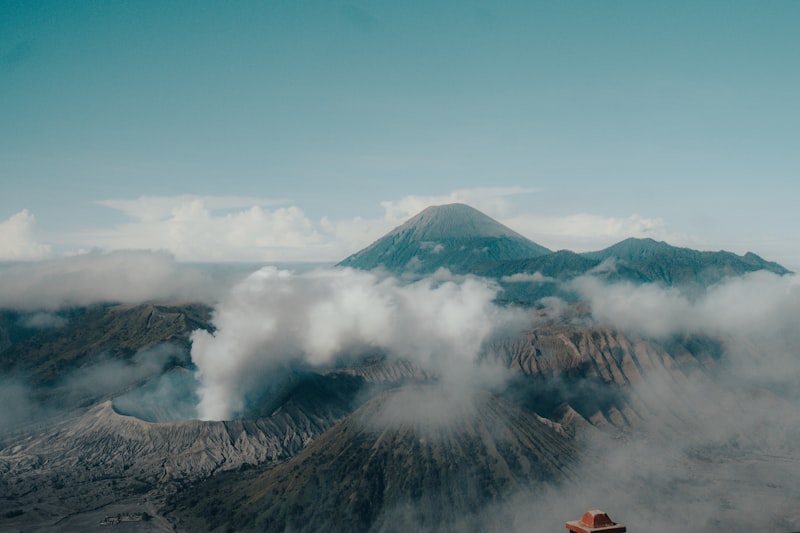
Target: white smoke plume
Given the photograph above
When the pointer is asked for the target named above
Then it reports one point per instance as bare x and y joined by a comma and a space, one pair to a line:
275, 318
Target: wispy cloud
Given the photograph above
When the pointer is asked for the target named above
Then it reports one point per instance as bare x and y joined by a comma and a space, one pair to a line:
18, 403
22, 403
153, 208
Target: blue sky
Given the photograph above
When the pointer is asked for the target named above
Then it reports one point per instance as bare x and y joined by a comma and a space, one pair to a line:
282, 130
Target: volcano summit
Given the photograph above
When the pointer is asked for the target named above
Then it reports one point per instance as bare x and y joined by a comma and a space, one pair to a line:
453, 236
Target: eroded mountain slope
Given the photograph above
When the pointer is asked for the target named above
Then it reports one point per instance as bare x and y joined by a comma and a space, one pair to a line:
423, 458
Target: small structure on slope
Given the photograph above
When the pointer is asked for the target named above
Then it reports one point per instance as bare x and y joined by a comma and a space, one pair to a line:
595, 521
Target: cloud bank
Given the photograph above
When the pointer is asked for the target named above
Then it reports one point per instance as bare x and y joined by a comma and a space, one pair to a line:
275, 318
756, 304
250, 229
717, 448
214, 229
118, 277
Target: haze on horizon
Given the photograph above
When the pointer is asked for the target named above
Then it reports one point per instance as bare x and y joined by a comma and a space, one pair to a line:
268, 131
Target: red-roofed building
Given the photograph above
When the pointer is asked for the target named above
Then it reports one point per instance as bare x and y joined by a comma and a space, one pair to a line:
593, 522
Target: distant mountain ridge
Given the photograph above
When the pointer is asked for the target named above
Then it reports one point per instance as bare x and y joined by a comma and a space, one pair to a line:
659, 261
464, 240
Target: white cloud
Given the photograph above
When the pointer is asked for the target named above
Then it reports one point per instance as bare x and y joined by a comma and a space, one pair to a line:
491, 200
17, 242
215, 229
758, 304
647, 309
521, 277
121, 277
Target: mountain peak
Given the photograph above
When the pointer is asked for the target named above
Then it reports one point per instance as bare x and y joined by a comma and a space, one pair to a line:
659, 261
454, 221
454, 236
631, 249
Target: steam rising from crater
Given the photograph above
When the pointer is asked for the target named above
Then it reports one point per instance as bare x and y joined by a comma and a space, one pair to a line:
275, 318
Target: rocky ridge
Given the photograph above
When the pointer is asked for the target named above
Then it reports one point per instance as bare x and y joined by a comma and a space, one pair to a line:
395, 463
